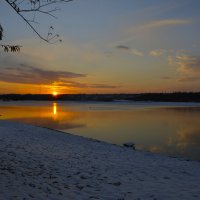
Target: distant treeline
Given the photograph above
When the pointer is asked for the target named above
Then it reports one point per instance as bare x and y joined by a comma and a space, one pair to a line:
159, 97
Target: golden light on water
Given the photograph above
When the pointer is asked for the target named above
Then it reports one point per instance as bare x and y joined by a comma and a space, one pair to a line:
55, 108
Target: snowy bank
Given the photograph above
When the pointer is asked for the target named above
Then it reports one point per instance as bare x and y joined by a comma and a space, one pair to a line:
38, 163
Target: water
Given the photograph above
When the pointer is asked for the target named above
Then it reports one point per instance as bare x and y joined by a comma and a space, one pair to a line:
167, 128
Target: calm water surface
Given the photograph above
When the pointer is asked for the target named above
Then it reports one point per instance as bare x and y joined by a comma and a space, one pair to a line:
168, 128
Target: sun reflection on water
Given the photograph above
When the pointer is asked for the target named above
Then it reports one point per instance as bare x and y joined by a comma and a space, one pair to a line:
169, 130
55, 108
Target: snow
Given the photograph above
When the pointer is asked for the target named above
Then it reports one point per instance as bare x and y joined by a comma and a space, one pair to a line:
39, 163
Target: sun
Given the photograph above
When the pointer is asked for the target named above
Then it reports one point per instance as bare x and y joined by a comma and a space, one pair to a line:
55, 94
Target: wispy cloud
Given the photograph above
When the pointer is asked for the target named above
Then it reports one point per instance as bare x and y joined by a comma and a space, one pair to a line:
157, 52
189, 79
156, 24
188, 68
135, 52
100, 85
166, 78
170, 60
76, 84
188, 64
137, 31
164, 23
123, 47
33, 75
25, 74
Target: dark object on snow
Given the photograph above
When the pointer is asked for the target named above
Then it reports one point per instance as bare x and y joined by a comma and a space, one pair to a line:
130, 145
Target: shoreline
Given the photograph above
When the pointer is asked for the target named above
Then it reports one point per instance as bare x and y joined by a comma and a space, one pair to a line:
41, 163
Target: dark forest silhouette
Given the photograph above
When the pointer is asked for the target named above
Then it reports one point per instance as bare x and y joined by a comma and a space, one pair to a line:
156, 97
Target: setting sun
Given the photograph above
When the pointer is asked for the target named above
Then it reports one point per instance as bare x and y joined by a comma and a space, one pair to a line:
55, 93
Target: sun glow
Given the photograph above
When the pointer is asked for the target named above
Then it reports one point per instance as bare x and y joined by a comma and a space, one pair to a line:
55, 93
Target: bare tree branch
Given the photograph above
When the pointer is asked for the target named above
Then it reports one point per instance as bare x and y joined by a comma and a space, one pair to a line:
36, 6
1, 32
24, 7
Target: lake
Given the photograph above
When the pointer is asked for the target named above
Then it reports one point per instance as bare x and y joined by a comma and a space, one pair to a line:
166, 128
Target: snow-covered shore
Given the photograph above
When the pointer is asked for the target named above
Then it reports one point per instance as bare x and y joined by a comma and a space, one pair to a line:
38, 163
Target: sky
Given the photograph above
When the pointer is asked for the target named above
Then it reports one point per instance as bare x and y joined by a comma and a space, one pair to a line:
108, 46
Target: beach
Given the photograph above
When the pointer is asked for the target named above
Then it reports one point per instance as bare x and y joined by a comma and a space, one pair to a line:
40, 163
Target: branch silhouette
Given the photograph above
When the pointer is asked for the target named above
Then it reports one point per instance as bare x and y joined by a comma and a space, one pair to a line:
33, 7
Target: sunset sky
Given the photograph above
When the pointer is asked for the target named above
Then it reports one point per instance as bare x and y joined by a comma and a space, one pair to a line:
109, 46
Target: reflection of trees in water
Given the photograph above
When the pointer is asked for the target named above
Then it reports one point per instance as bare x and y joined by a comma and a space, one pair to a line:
173, 131
188, 137
185, 142
188, 140
183, 109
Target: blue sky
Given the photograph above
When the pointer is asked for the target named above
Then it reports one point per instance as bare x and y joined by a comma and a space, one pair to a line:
116, 46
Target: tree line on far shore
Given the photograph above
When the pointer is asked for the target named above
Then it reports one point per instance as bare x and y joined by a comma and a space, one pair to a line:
156, 97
